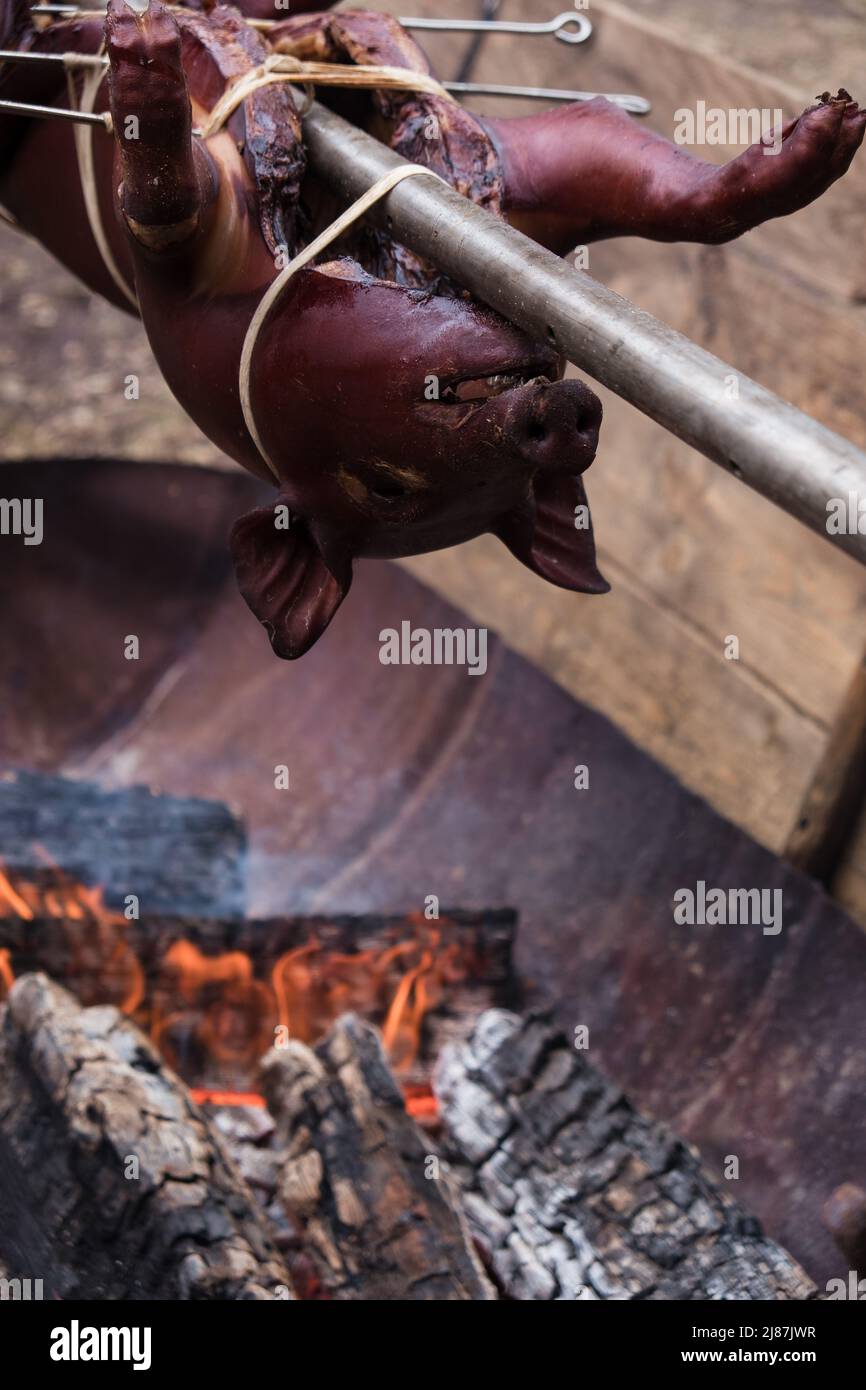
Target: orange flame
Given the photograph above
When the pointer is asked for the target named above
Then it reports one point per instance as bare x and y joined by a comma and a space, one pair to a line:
210, 1014
99, 940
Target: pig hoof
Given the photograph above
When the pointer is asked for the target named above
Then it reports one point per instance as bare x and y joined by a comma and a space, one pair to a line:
774, 180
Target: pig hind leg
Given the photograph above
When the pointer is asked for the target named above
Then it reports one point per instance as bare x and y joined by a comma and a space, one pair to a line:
587, 172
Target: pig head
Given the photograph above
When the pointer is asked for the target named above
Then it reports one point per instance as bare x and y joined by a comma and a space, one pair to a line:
401, 422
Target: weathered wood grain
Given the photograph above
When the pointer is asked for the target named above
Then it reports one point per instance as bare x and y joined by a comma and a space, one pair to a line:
573, 1194
823, 836
111, 1184
65, 360
355, 1175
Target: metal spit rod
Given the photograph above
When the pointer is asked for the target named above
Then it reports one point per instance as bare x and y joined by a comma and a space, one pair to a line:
761, 439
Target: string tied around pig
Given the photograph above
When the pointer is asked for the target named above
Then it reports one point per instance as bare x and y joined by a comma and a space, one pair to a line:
283, 67
274, 291
94, 76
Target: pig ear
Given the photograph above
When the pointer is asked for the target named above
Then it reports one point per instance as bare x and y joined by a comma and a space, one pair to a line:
553, 538
283, 577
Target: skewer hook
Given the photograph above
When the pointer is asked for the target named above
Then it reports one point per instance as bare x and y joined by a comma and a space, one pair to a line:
560, 26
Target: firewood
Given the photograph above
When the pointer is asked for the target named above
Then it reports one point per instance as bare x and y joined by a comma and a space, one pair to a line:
141, 960
571, 1193
177, 853
112, 1186
360, 1179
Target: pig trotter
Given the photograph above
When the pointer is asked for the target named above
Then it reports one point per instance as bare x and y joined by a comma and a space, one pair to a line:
816, 149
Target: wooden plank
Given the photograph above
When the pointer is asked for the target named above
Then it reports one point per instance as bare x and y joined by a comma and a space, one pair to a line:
694, 556
849, 881
827, 818
715, 552
790, 37
823, 244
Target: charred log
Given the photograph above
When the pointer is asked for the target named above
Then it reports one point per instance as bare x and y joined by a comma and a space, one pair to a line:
178, 854
357, 1176
571, 1193
112, 1186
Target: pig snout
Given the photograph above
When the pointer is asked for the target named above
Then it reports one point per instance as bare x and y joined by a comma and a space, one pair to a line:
561, 426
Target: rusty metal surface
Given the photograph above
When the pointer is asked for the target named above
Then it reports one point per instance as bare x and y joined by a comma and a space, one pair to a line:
410, 781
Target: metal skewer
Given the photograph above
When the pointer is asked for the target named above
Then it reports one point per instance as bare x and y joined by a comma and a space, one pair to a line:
57, 113
638, 106
80, 60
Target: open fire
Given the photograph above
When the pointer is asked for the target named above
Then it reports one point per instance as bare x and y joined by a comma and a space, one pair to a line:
304, 1176
213, 1012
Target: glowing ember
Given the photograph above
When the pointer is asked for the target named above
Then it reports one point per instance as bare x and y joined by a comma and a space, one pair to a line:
202, 1095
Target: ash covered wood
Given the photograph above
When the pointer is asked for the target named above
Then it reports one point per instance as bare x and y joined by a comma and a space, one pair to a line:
112, 1186
359, 1178
571, 1193
178, 854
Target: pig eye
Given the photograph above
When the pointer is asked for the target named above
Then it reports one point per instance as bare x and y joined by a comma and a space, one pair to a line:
388, 489
380, 483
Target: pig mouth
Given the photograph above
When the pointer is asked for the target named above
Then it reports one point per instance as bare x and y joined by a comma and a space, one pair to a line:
466, 390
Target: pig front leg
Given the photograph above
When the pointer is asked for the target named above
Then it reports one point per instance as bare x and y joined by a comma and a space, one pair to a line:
168, 179
590, 171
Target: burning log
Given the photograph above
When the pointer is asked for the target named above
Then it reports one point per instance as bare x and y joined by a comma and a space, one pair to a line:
212, 992
359, 1178
111, 1184
571, 1193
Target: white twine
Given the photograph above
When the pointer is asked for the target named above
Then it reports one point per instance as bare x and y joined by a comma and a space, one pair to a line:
276, 288
83, 135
